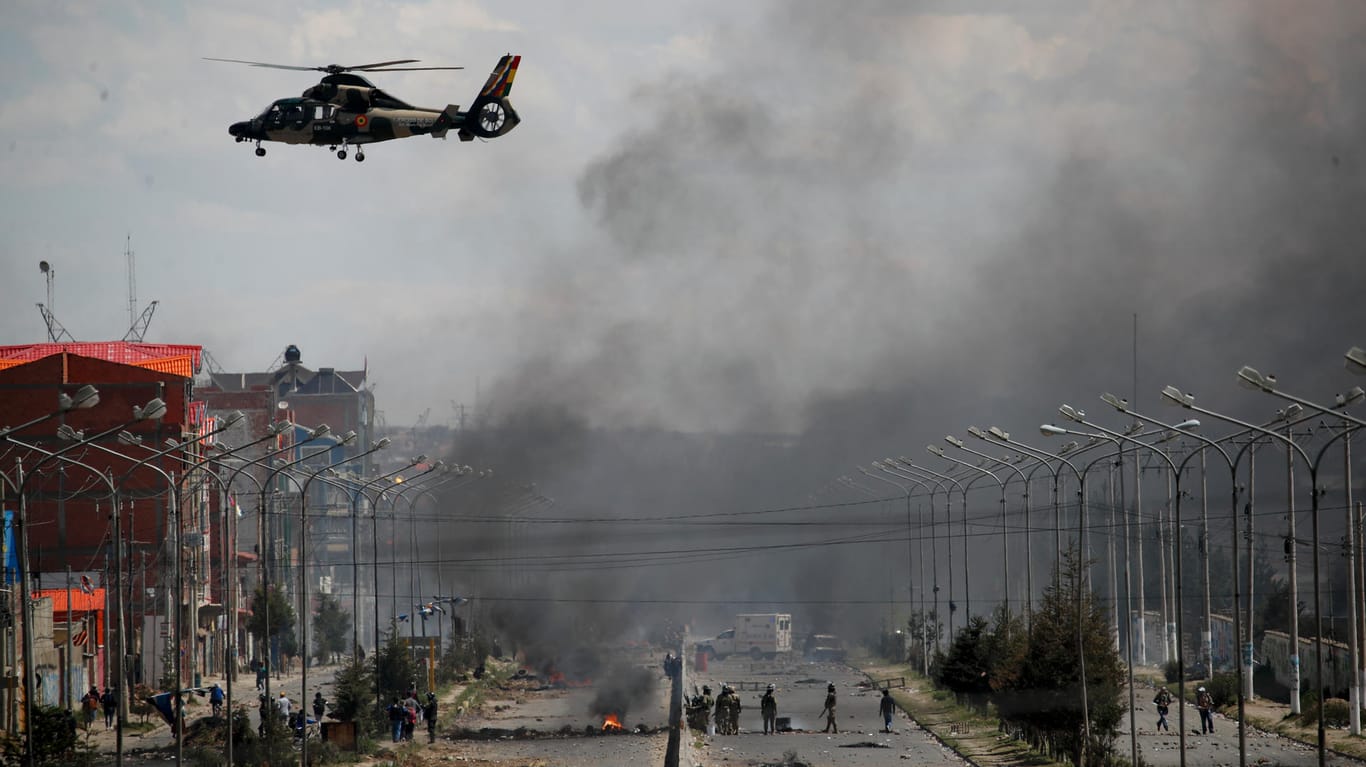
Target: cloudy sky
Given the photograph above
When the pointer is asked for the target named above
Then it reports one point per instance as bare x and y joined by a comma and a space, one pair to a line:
714, 215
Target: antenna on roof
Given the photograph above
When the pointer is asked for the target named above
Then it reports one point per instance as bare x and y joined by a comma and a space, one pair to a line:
137, 323
55, 331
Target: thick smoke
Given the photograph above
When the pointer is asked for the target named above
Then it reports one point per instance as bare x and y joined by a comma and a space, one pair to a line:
865, 229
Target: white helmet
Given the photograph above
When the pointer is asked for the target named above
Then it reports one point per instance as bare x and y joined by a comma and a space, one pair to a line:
771, 688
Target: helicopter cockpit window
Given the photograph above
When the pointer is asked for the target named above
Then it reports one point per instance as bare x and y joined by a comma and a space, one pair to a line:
320, 111
294, 113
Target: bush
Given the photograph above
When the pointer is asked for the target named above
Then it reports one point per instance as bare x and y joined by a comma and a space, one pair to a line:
1336, 712
1170, 671
1223, 688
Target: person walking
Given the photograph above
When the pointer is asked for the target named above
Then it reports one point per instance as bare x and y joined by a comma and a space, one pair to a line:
429, 713
829, 710
90, 703
1204, 703
887, 707
1163, 701
768, 708
282, 706
261, 673
110, 703
397, 715
319, 705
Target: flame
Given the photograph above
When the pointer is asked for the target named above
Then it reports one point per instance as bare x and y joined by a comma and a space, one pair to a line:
611, 723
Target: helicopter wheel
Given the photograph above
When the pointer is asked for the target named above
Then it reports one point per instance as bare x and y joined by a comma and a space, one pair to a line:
341, 154
332, 148
260, 151
360, 156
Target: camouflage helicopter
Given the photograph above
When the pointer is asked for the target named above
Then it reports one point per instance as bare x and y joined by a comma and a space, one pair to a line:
345, 109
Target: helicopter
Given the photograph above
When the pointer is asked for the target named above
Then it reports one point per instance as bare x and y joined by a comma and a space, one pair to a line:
344, 109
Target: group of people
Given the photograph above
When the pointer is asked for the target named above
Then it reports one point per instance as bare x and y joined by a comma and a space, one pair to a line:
405, 713
725, 710
95, 701
1204, 703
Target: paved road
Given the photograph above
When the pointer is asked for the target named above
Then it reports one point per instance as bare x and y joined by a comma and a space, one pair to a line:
800, 692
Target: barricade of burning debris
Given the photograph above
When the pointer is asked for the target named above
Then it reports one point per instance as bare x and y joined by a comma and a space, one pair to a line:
610, 726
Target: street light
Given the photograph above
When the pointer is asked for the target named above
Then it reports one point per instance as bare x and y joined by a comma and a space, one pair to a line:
154, 409
1005, 539
1003, 436
375, 447
1250, 377
923, 628
939, 483
1072, 414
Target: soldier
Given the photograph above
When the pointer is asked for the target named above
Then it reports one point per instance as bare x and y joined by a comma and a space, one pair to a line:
768, 707
734, 724
722, 710
429, 713
829, 709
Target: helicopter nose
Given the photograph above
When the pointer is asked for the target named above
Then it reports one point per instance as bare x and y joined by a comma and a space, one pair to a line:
240, 130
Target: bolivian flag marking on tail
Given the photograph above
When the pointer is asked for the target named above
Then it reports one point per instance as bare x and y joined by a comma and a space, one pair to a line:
499, 84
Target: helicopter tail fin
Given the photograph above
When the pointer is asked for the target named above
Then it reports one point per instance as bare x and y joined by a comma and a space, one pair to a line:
499, 84
491, 115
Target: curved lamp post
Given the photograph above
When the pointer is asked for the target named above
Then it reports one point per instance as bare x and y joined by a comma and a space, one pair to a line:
375, 447
923, 628
1003, 436
1078, 416
1005, 539
939, 486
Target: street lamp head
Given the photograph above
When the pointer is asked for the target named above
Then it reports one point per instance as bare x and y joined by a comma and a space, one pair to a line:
85, 398
1353, 396
71, 435
1251, 379
152, 411
1293, 410
937, 450
170, 442
1190, 424
995, 431
233, 418
1068, 447
976, 432
1133, 429
382, 443
1071, 413
129, 438
1049, 430
277, 427
956, 442
1175, 396
421, 458
322, 431
1356, 360
1118, 403
348, 438
220, 446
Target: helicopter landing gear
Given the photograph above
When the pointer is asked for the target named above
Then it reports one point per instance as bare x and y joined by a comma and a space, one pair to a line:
341, 154
360, 156
260, 150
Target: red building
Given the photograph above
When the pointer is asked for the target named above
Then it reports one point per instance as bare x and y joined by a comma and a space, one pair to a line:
69, 507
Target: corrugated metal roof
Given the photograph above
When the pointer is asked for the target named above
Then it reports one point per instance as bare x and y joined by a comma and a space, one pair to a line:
176, 359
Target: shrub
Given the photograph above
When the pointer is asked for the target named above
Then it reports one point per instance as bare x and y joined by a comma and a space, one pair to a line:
1170, 671
1223, 688
1336, 712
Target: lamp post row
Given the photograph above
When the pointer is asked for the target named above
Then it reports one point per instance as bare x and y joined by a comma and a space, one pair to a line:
87, 396
931, 483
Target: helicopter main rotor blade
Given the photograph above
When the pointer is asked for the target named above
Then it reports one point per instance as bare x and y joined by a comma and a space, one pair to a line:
410, 69
262, 64
381, 64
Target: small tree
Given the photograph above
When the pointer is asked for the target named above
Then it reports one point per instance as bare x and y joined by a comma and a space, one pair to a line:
271, 615
394, 665
966, 668
354, 692
332, 630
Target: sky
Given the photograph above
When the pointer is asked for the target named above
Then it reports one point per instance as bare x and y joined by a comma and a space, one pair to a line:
853, 228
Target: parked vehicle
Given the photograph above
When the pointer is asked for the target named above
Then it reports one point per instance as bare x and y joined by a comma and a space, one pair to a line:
825, 647
762, 635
